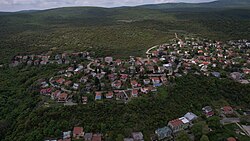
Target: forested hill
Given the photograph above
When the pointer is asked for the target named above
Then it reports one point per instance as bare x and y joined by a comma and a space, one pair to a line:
215, 4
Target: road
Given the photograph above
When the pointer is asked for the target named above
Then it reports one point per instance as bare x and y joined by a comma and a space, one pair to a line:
230, 120
89, 68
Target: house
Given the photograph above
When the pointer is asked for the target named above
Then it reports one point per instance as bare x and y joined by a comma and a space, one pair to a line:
137, 136
227, 110
134, 83
60, 81
98, 95
78, 132
118, 62
97, 137
145, 90
216, 74
55, 94
156, 81
117, 84
128, 139
67, 135
75, 86
124, 77
70, 69
231, 139
164, 79
163, 133
46, 91
63, 98
109, 95
146, 81
108, 59
236, 75
134, 93
68, 83
84, 100
190, 116
208, 111
246, 71
112, 77
178, 124
88, 137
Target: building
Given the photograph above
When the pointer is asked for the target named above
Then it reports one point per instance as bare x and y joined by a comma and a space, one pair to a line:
98, 95
63, 98
164, 133
178, 124
208, 111
78, 132
137, 136
97, 137
88, 137
190, 116
227, 110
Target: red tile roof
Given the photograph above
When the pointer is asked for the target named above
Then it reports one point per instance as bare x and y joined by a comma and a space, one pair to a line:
176, 122
231, 139
77, 130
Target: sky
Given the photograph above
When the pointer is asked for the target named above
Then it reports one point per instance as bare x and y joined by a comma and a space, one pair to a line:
18, 5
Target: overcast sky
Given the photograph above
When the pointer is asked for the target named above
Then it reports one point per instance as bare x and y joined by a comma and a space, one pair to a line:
17, 5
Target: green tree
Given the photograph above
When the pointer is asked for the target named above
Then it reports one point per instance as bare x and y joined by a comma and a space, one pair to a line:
204, 138
183, 136
214, 122
119, 137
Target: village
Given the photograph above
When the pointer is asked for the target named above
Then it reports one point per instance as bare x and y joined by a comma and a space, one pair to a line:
88, 79
106, 78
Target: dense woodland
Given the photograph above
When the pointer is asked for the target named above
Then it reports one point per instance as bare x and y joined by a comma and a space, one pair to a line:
22, 116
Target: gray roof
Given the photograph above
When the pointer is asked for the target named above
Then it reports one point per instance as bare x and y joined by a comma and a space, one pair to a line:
190, 116
163, 132
128, 139
88, 135
137, 135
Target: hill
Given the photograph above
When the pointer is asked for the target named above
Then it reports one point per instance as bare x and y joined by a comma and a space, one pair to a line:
215, 5
119, 32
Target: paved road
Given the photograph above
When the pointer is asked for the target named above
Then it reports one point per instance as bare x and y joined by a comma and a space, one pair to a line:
89, 68
230, 120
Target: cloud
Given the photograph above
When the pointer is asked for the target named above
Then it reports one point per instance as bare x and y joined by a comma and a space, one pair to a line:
16, 5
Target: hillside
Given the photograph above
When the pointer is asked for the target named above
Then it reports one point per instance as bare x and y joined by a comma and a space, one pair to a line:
118, 32
215, 5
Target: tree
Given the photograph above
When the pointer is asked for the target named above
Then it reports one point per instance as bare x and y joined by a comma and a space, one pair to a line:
183, 136
214, 122
204, 138
119, 137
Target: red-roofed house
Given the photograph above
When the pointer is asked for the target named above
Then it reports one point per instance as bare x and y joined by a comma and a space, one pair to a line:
134, 83
118, 62
97, 137
231, 139
178, 124
78, 132
246, 71
46, 91
227, 110
124, 77
117, 84
55, 94
134, 93
63, 98
60, 80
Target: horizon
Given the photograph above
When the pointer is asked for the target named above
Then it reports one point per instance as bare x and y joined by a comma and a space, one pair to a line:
29, 5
